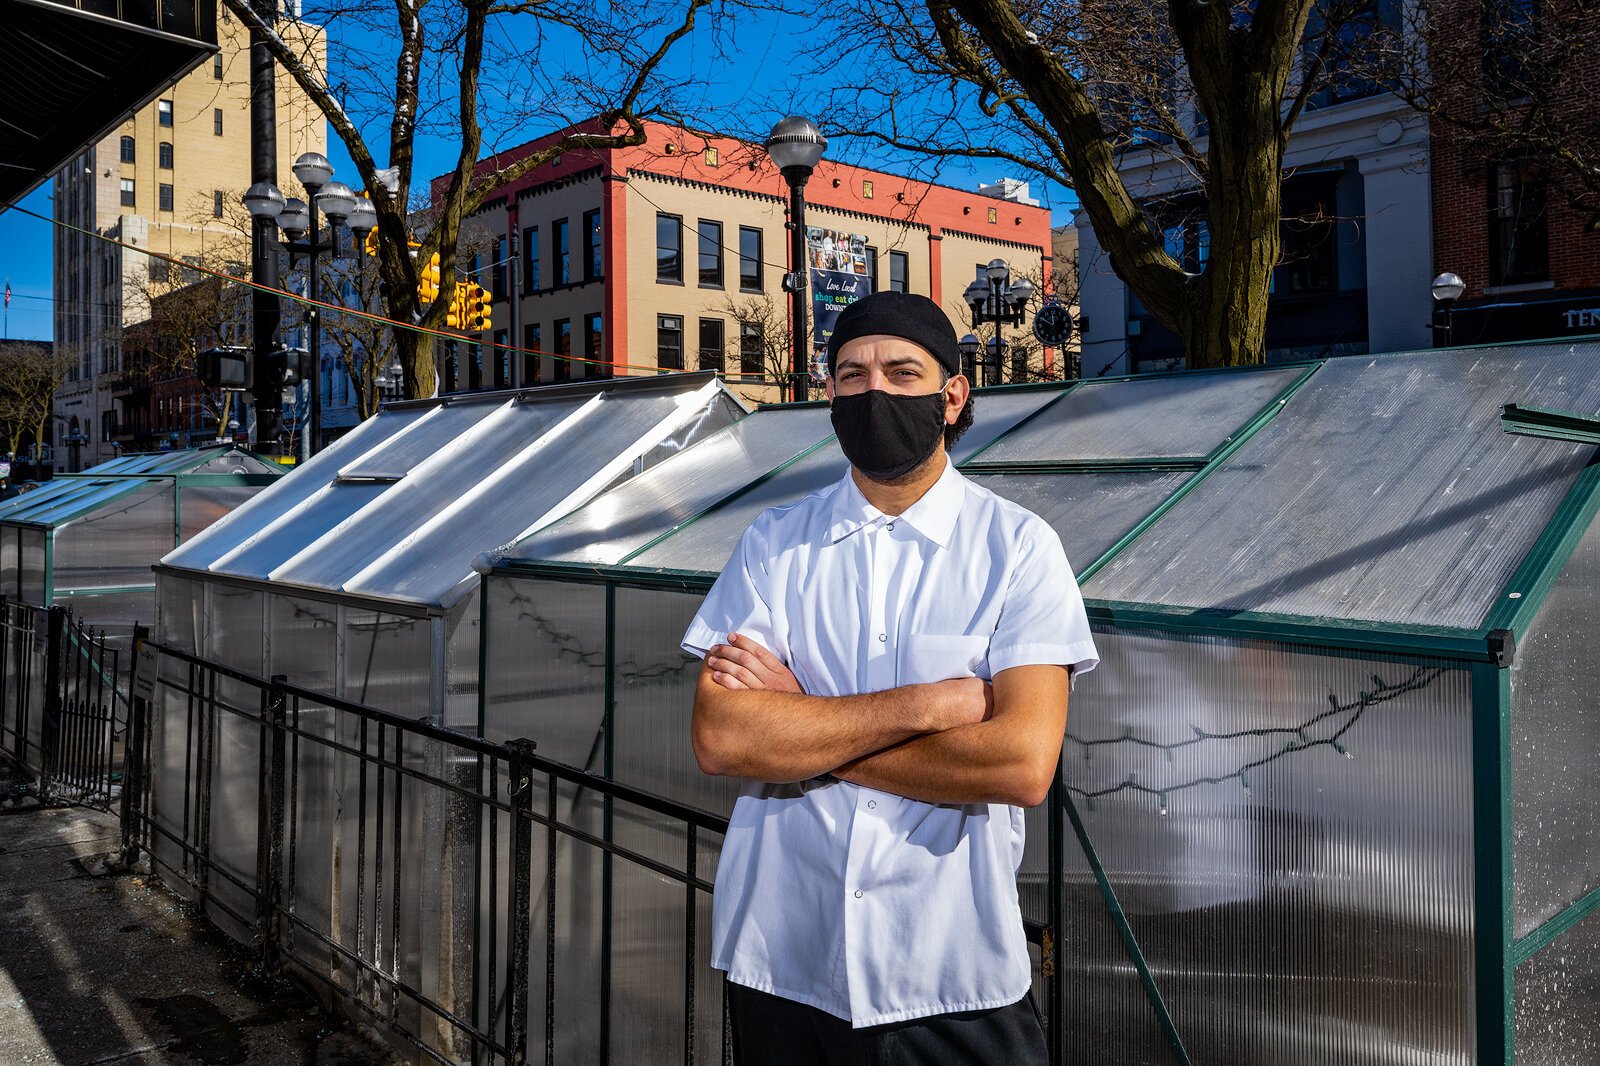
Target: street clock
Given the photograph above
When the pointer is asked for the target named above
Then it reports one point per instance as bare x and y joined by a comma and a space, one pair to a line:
1052, 326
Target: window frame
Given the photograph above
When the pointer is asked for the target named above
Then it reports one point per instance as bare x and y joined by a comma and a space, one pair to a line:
561, 250
530, 260
128, 150
754, 261
164, 113
562, 365
663, 362
752, 350
594, 339
708, 244
899, 271
705, 360
164, 155
216, 121
1513, 228
674, 274
594, 266
128, 193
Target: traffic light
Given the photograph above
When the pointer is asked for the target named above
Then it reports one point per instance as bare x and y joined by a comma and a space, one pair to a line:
456, 317
428, 282
288, 367
372, 241
225, 368
480, 309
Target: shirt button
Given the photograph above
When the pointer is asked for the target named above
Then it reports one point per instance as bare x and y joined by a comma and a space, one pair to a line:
872, 805
891, 525
859, 893
882, 637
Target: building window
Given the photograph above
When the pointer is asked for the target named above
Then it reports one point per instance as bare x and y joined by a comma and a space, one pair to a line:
872, 269
533, 342
1308, 257
593, 346
1519, 236
189, 273
711, 353
563, 360
1019, 363
530, 259
451, 367
497, 272
899, 271
216, 203
669, 342
1510, 41
866, 190
216, 121
711, 254
164, 155
669, 248
594, 266
474, 366
994, 215
562, 249
164, 112
711, 156
128, 153
216, 66
159, 270
127, 192
749, 259
502, 358
164, 192
752, 349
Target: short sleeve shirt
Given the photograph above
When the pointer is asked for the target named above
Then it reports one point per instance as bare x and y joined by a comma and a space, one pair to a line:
865, 904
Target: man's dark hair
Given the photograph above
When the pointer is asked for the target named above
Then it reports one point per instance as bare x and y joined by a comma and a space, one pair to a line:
963, 422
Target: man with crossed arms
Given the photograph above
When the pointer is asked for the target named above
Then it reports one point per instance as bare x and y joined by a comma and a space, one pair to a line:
887, 666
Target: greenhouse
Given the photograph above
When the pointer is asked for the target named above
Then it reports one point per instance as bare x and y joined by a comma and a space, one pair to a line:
1331, 796
355, 576
89, 540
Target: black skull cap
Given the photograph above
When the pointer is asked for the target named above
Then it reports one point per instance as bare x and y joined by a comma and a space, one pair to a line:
898, 314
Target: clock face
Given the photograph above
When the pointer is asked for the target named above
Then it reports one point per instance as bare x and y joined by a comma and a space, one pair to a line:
1053, 325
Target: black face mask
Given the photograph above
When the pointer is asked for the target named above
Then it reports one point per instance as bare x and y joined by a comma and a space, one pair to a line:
885, 435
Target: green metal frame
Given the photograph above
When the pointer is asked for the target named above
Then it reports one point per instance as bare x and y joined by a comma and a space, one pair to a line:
1547, 422
1492, 885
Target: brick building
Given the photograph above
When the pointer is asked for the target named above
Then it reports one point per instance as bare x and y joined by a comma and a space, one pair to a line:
670, 255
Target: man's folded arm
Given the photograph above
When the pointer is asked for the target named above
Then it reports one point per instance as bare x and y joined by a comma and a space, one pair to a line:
1009, 758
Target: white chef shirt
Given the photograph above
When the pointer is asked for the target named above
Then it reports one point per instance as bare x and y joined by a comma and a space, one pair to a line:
870, 906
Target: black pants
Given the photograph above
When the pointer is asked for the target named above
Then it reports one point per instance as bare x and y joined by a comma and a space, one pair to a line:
769, 1031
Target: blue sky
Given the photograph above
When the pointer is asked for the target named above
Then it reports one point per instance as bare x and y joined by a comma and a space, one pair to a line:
757, 83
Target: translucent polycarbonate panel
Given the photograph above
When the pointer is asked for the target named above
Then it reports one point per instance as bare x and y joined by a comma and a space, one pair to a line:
545, 678
201, 506
463, 633
423, 439
1558, 1000
303, 642
1314, 864
706, 543
722, 411
180, 609
996, 413
83, 498
530, 485
115, 545
654, 700
234, 461
8, 561
30, 564
17, 507
1555, 734
289, 494
1090, 510
114, 613
1178, 415
1385, 491
631, 515
388, 661
271, 546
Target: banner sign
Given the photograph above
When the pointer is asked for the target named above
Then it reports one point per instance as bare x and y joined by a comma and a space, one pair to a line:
838, 277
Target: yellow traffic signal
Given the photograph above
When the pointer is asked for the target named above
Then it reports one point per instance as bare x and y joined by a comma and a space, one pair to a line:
457, 316
372, 241
428, 282
481, 309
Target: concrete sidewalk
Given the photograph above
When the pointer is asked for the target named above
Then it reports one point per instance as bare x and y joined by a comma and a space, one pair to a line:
115, 969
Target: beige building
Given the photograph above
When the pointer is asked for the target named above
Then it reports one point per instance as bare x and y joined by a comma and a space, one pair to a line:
672, 255
168, 181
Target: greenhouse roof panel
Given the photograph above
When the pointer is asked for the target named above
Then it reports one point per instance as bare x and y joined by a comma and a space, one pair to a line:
1168, 416
401, 507
622, 521
1386, 491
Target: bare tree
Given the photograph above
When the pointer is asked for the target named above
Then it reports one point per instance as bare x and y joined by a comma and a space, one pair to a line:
30, 374
479, 71
757, 350
1066, 88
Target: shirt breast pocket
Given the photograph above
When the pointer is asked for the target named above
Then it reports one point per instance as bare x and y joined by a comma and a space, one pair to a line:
928, 658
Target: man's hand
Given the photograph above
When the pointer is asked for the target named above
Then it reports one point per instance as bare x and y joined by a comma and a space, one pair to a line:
743, 663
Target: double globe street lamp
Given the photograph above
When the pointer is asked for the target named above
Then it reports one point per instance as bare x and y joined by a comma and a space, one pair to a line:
298, 219
796, 146
997, 301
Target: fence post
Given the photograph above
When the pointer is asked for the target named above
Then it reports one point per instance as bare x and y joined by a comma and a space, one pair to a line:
521, 795
50, 722
269, 824
133, 754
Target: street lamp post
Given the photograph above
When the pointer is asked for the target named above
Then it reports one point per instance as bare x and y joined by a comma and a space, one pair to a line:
998, 301
300, 222
796, 145
1447, 289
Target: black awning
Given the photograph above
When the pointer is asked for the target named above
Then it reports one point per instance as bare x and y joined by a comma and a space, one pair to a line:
70, 73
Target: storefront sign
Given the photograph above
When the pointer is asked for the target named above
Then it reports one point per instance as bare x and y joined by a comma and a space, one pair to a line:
838, 277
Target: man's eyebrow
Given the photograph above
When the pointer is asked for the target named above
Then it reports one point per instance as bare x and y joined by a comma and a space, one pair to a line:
855, 362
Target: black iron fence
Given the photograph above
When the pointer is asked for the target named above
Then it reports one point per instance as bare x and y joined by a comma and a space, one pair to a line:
63, 711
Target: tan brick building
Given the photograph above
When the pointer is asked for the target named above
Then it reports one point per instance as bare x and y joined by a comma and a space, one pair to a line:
671, 255
168, 180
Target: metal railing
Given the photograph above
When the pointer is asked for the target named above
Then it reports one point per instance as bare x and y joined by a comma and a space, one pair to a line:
463, 895
62, 714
